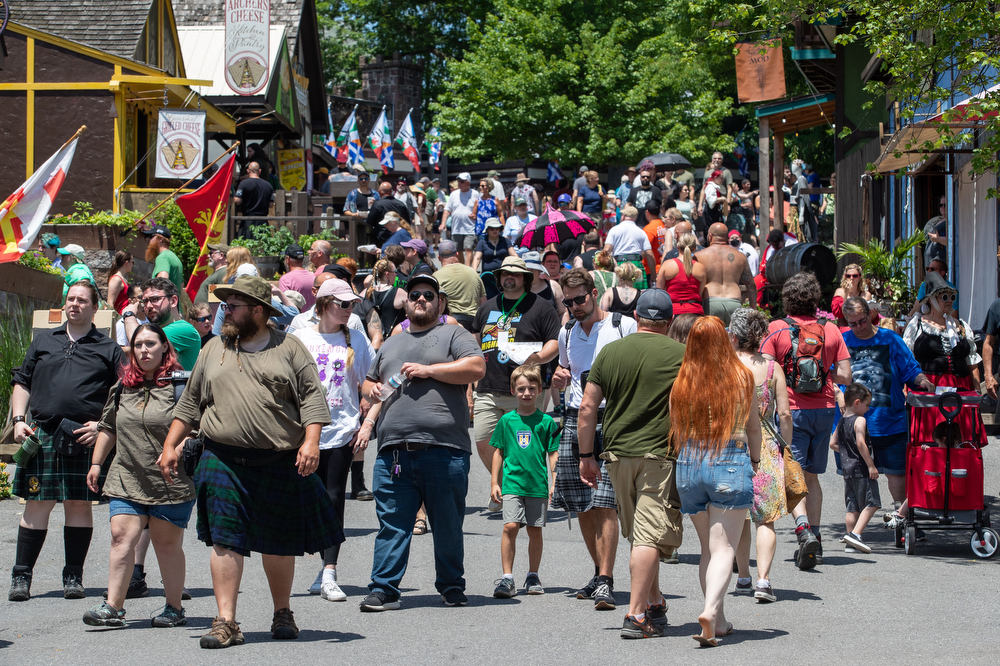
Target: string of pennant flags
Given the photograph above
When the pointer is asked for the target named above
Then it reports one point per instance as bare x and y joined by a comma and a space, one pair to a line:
346, 145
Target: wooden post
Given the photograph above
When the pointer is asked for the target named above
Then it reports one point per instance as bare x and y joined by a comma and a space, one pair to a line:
763, 176
779, 180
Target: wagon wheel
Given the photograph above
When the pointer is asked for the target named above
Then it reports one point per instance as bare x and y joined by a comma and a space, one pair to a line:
910, 545
986, 547
898, 536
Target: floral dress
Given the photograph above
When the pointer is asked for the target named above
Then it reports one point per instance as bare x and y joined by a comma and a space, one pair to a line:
487, 209
769, 501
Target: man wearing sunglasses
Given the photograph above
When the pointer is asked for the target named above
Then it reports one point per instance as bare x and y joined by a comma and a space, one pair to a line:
882, 362
360, 200
159, 302
583, 337
646, 192
424, 446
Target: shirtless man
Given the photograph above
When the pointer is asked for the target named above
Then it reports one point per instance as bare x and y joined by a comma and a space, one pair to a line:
728, 271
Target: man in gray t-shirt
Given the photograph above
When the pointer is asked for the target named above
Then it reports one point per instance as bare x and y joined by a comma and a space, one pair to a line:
424, 444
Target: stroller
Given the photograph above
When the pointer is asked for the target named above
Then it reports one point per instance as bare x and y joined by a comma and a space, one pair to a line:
944, 486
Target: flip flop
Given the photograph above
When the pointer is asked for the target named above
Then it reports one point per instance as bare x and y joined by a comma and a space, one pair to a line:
728, 631
706, 642
420, 526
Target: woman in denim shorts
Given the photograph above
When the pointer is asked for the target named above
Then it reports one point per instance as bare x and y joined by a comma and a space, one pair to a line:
716, 427
137, 418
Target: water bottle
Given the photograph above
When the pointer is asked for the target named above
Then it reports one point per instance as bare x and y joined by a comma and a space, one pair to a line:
27, 451
391, 385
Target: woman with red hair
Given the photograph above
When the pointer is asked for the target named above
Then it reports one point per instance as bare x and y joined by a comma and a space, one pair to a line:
135, 423
715, 426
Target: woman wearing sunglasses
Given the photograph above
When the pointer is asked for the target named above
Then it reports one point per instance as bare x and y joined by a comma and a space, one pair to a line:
343, 361
853, 283
200, 316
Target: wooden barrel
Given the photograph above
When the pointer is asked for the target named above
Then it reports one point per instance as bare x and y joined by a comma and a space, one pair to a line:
792, 259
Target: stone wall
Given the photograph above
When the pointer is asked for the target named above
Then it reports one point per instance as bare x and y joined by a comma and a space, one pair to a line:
397, 82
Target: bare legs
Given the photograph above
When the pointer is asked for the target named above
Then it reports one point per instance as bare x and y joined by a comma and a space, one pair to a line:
167, 539
719, 533
644, 568
227, 571
766, 546
599, 528
812, 505
508, 547
857, 522
36, 514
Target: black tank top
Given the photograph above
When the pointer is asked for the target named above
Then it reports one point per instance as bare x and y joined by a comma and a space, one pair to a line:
588, 259
626, 309
548, 294
390, 316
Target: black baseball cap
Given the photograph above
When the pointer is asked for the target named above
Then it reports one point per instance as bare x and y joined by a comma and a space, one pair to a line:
157, 230
338, 271
295, 251
423, 278
655, 304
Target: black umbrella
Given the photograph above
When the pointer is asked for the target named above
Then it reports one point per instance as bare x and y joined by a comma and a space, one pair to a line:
667, 161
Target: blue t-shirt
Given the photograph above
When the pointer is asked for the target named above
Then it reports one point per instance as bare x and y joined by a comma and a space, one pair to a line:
401, 235
591, 199
883, 364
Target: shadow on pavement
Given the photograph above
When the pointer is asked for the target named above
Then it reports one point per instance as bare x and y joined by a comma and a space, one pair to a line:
305, 636
434, 601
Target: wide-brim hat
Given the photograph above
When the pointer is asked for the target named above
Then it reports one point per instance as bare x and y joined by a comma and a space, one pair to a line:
512, 265
521, 178
255, 289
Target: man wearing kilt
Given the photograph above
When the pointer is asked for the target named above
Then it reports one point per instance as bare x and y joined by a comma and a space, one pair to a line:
65, 379
583, 337
256, 395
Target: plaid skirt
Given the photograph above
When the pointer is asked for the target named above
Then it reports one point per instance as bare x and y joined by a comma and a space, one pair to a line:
571, 493
50, 475
268, 509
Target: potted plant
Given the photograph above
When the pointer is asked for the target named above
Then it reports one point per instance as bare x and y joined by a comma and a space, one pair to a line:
887, 270
266, 247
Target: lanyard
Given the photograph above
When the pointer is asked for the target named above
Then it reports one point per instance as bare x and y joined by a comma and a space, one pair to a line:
505, 317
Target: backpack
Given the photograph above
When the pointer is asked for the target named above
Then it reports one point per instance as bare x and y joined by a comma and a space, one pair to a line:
803, 364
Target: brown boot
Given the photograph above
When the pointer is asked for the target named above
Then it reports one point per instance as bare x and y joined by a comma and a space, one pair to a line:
223, 634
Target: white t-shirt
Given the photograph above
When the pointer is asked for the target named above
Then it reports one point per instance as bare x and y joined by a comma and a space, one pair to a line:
513, 227
497, 192
583, 349
120, 336
627, 238
340, 382
459, 207
789, 240
750, 252
308, 319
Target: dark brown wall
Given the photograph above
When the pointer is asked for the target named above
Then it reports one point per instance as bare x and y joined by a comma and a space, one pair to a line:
55, 64
14, 64
12, 140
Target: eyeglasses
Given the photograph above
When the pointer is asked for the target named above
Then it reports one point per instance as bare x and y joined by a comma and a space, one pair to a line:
428, 295
346, 305
947, 298
202, 320
579, 300
151, 300
856, 324
853, 276
226, 307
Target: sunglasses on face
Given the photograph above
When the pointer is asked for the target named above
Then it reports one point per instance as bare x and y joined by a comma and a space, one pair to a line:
346, 305
579, 300
428, 295
643, 177
202, 320
853, 276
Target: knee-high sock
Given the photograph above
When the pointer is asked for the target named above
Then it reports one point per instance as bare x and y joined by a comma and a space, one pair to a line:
29, 545
77, 543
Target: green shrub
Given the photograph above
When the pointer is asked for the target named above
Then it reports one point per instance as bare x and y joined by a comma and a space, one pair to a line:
266, 242
38, 261
15, 336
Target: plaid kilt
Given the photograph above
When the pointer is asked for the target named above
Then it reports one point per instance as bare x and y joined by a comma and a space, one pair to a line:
571, 493
50, 475
269, 509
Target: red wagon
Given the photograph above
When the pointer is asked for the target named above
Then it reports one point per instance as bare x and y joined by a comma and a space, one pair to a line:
944, 485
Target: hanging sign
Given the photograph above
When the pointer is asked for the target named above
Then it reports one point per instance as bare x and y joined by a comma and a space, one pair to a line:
760, 71
247, 43
180, 139
292, 169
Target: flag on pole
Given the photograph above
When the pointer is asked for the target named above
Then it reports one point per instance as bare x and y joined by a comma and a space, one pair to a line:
331, 144
22, 213
347, 146
381, 143
433, 144
205, 211
408, 141
554, 173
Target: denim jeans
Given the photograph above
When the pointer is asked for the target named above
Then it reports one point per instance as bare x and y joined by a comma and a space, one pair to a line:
437, 476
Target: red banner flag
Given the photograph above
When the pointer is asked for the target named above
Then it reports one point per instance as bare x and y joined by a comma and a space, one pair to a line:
205, 211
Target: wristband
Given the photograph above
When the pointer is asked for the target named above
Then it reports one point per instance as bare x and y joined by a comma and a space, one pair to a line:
18, 419
367, 420
755, 462
587, 455
95, 464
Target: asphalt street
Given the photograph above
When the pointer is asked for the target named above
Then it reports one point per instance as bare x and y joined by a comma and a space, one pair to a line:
937, 606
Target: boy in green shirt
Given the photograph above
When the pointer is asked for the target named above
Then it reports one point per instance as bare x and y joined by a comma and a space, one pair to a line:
523, 439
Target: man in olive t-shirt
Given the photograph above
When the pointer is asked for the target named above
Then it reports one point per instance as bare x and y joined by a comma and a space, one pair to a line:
635, 375
165, 263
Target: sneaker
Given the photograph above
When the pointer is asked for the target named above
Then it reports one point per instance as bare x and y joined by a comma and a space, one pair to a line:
137, 589
363, 495
587, 591
104, 615
378, 601
632, 628
185, 595
532, 585
893, 520
20, 587
744, 588
283, 625
494, 506
170, 617
223, 634
657, 614
317, 585
672, 559
603, 598
331, 591
454, 597
505, 589
764, 595
819, 555
73, 586
853, 539
809, 547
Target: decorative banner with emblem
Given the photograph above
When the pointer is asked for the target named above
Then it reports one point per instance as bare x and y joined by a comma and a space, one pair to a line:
4, 14
247, 45
180, 141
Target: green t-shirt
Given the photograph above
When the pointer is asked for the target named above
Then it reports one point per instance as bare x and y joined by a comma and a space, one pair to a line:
168, 261
185, 340
636, 374
526, 442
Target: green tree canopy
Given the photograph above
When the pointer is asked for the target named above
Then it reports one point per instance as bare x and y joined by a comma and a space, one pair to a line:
602, 81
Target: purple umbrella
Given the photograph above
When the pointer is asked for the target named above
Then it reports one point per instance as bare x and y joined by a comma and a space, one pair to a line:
555, 226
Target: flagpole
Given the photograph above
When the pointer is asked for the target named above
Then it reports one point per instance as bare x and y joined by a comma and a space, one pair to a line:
75, 136
195, 177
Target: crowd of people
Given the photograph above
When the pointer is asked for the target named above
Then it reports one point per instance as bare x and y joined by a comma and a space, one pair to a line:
631, 385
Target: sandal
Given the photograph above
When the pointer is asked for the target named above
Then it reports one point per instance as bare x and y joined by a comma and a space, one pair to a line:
420, 526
